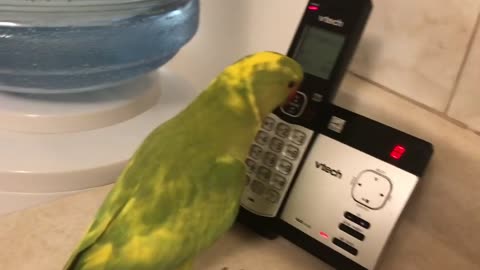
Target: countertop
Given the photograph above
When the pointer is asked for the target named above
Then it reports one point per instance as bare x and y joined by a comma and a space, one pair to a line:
438, 230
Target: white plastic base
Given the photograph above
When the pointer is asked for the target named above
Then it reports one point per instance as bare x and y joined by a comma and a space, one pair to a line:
82, 146
72, 112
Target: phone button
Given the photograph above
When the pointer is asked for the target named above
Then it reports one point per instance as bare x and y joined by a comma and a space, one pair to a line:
365, 224
255, 151
264, 174
272, 196
268, 123
257, 187
262, 138
360, 236
270, 159
276, 145
345, 246
248, 180
298, 137
291, 152
278, 182
284, 167
283, 130
295, 107
251, 165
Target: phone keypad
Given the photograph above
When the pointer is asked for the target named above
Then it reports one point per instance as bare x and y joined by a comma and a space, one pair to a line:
273, 159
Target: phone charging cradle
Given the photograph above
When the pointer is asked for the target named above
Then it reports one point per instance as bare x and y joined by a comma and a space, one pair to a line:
350, 191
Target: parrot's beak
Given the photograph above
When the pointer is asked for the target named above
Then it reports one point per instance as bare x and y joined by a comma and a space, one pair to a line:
292, 95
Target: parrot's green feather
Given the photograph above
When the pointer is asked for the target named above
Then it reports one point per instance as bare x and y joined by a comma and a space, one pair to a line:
188, 265
181, 189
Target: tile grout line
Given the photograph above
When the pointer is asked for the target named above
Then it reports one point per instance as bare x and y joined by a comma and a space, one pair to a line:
463, 64
396, 93
443, 115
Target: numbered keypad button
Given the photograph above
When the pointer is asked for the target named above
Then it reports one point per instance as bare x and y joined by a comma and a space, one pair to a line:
276, 145
278, 182
268, 123
272, 196
251, 165
264, 174
291, 152
270, 159
284, 166
262, 137
248, 180
298, 137
257, 187
282, 130
255, 151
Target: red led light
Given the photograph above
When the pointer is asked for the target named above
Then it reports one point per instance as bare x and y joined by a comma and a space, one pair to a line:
324, 235
313, 8
397, 152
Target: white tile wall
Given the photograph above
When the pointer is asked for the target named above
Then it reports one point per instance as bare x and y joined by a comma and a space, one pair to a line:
416, 47
413, 47
465, 105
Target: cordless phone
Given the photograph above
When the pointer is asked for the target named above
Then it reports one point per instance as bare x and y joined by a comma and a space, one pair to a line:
324, 43
354, 184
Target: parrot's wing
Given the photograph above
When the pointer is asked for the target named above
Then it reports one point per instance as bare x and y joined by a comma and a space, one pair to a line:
188, 265
173, 217
113, 204
220, 190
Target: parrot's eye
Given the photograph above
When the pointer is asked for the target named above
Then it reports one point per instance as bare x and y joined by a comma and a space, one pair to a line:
291, 84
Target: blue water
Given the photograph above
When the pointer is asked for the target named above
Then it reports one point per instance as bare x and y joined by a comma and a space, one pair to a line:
67, 59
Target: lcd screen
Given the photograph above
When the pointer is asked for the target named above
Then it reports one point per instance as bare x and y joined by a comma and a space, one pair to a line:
318, 51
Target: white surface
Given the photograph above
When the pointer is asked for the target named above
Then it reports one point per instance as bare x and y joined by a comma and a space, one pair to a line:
79, 111
63, 162
12, 201
320, 199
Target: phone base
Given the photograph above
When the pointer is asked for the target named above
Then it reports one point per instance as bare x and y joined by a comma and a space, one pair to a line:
265, 227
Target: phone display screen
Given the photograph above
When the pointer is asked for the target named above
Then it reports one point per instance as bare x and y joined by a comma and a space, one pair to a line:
318, 51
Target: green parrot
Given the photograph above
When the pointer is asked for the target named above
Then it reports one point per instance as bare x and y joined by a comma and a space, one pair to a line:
181, 190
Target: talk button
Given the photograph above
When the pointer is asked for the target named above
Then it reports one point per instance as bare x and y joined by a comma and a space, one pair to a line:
296, 106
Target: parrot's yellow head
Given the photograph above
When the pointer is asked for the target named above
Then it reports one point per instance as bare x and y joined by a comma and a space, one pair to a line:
270, 78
